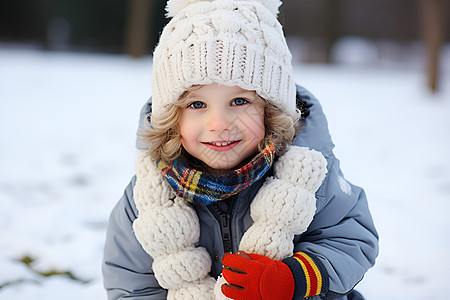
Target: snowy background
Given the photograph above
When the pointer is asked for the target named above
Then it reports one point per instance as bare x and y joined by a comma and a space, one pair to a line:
67, 134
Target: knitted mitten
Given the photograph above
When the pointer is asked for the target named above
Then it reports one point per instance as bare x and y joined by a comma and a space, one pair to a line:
257, 277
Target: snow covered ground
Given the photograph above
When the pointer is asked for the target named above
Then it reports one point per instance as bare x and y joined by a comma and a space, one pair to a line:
67, 133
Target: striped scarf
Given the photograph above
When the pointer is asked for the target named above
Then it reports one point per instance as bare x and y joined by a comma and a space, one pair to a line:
204, 188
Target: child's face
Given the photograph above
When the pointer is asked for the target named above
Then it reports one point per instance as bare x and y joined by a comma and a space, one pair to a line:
221, 125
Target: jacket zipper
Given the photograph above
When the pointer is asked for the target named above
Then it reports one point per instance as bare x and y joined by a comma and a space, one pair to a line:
226, 232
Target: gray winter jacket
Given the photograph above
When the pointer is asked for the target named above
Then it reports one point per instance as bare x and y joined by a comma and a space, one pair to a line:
341, 238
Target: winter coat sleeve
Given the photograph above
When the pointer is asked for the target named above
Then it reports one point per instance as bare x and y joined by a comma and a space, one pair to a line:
341, 243
341, 240
126, 266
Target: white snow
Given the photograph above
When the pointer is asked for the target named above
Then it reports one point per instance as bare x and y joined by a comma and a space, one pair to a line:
67, 136
344, 185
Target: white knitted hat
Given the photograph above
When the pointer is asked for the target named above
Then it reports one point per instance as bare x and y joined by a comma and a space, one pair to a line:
230, 42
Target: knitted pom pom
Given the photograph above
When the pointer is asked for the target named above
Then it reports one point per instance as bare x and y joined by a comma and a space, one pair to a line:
173, 7
272, 5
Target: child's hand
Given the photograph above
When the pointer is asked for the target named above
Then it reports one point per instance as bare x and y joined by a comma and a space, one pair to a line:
253, 276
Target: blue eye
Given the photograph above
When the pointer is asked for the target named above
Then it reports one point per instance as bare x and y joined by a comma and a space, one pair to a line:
196, 105
239, 101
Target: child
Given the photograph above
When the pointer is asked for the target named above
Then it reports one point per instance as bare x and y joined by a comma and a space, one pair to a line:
228, 201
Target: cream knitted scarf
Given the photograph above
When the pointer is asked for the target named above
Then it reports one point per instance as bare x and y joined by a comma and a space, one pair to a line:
168, 227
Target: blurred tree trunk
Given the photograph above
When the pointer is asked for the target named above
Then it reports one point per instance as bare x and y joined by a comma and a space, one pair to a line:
333, 9
433, 17
44, 7
138, 27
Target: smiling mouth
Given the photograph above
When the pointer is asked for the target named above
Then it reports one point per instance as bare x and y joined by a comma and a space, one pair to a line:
222, 146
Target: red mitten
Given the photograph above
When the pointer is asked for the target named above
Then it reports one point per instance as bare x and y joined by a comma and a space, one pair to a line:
258, 278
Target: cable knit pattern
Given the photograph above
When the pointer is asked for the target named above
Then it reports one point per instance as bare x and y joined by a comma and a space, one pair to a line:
231, 42
168, 228
234, 43
286, 204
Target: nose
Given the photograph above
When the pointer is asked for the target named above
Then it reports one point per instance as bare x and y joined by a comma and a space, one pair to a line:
218, 120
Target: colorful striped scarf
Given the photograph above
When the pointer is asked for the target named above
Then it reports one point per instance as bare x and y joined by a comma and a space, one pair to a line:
204, 188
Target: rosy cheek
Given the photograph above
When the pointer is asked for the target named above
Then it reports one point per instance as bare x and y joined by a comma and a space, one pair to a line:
188, 134
258, 129
186, 139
